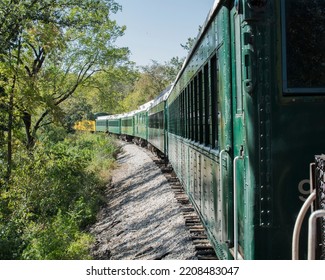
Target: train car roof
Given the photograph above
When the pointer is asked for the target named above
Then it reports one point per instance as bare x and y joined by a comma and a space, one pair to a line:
109, 117
146, 106
162, 96
129, 114
103, 117
117, 116
199, 37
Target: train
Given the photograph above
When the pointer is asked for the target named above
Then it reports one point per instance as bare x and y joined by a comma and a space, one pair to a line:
241, 124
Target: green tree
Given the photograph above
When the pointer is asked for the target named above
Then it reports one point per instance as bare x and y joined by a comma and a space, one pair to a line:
153, 79
50, 49
109, 88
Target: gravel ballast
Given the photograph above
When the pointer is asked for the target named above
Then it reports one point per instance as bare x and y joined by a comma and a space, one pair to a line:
142, 219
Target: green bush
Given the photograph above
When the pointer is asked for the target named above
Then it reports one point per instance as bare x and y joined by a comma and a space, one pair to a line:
59, 238
53, 194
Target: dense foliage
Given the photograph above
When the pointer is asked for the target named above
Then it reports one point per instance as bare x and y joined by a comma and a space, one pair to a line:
50, 49
53, 196
58, 65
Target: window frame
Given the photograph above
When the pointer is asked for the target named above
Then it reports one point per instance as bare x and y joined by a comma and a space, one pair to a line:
285, 87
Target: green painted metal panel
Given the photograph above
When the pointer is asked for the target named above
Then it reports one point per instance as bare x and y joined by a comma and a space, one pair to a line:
141, 124
127, 125
114, 126
206, 85
101, 125
156, 126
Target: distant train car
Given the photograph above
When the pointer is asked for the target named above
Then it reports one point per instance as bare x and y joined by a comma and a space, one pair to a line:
102, 123
141, 124
85, 125
127, 125
157, 121
114, 124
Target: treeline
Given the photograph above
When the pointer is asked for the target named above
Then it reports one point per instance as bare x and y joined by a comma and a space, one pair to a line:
59, 64
51, 182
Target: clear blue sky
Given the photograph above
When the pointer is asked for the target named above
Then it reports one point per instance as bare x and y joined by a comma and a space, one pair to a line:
156, 28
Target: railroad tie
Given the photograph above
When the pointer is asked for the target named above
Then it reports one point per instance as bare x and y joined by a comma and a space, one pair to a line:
204, 249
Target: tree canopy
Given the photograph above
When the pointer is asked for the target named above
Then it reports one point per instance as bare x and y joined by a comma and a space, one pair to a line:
50, 49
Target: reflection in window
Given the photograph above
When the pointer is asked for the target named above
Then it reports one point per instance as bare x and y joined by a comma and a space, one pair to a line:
305, 43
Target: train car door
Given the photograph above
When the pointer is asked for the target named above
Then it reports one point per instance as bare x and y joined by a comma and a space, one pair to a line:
239, 141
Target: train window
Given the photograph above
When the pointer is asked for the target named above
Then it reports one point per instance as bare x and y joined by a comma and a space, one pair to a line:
214, 104
191, 110
206, 106
185, 113
177, 114
183, 124
189, 93
200, 107
303, 36
196, 121
193, 105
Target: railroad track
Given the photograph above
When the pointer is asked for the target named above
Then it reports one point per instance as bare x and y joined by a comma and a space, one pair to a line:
203, 247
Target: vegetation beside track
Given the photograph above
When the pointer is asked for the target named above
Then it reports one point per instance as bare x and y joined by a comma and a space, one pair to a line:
53, 195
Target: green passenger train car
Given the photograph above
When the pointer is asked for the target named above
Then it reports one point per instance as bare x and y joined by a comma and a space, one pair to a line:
102, 123
157, 123
114, 124
244, 122
141, 123
127, 124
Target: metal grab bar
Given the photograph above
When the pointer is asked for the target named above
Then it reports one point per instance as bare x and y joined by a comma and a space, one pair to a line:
297, 227
312, 232
237, 158
220, 166
312, 181
226, 150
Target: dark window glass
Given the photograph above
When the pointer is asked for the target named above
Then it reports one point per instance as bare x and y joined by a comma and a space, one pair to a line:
188, 114
195, 112
214, 103
156, 120
304, 42
192, 111
206, 106
114, 123
200, 108
127, 122
182, 114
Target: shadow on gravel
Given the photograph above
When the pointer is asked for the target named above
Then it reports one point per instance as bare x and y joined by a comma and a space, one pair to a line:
140, 221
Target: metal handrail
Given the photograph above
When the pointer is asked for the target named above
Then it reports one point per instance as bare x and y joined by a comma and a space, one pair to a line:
312, 232
237, 158
220, 166
221, 183
297, 227
312, 181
